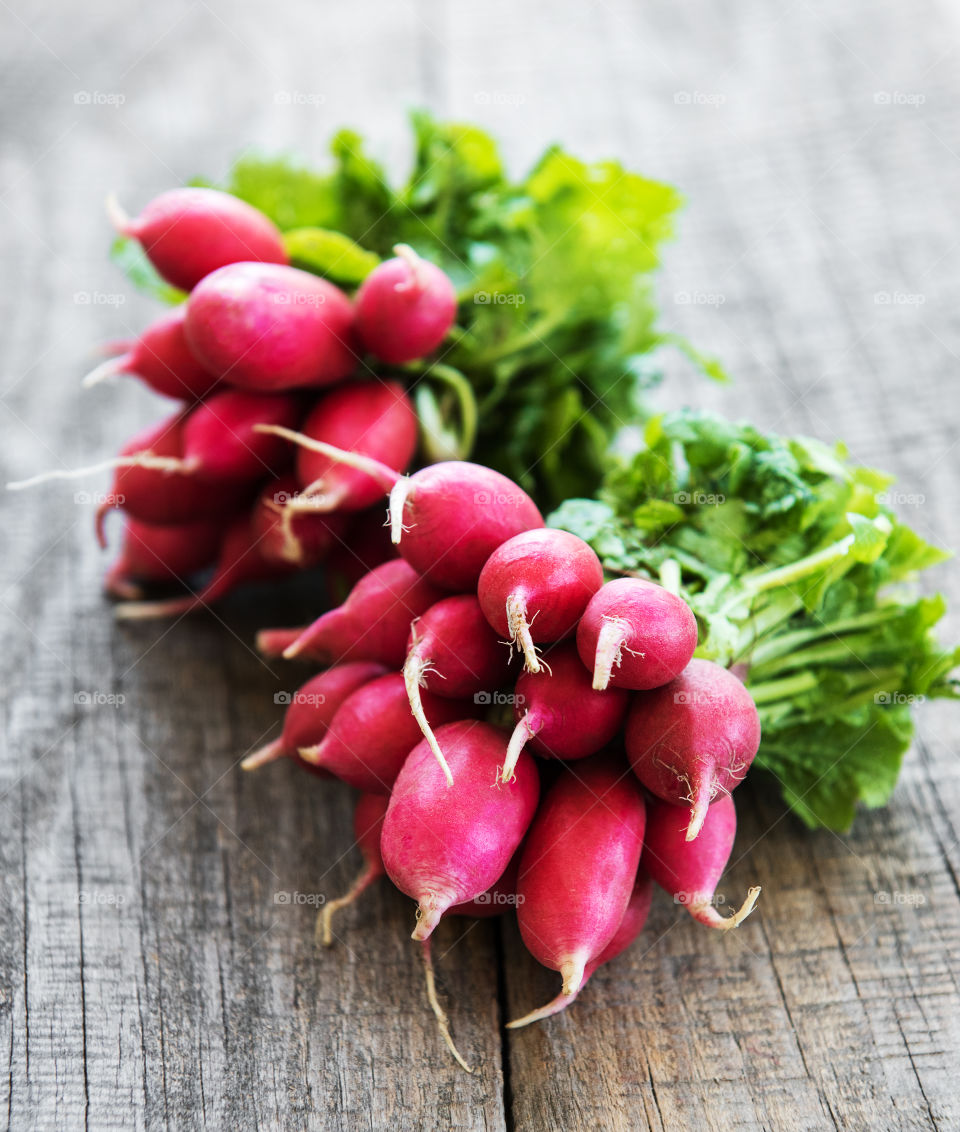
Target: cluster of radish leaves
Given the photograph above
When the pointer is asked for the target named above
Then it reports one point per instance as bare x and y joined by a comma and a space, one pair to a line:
557, 333
791, 563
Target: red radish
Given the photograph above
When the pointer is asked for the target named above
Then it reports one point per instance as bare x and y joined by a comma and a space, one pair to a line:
500, 896
691, 870
373, 731
162, 360
368, 815
455, 653
287, 536
187, 233
630, 927
163, 497
220, 441
161, 554
535, 587
239, 560
310, 711
266, 327
579, 866
366, 546
374, 418
443, 847
636, 634
559, 715
273, 642
694, 738
405, 307
448, 518
373, 623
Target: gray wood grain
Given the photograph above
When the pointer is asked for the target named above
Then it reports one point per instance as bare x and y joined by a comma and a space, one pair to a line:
147, 977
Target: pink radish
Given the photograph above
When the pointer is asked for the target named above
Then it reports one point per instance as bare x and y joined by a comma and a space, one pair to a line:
559, 715
266, 327
161, 554
284, 535
368, 815
310, 710
579, 866
636, 634
239, 560
373, 731
367, 545
630, 927
694, 738
187, 233
373, 623
162, 360
691, 870
162, 497
443, 847
535, 587
448, 518
453, 652
374, 418
405, 307
500, 896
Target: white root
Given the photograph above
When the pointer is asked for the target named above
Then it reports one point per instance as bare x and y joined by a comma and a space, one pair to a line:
398, 500
443, 1022
519, 629
522, 734
414, 674
144, 460
323, 930
707, 914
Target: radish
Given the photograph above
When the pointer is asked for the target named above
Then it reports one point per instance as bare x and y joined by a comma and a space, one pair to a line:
443, 847
579, 866
373, 623
368, 815
691, 870
161, 554
405, 307
162, 360
187, 233
274, 642
448, 518
366, 546
239, 560
373, 731
266, 327
220, 441
500, 896
374, 418
636, 634
632, 924
694, 738
559, 715
284, 535
153, 495
452, 652
310, 710
535, 587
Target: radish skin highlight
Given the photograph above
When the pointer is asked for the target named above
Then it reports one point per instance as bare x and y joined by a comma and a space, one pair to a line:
443, 847
452, 652
691, 870
368, 816
632, 924
636, 634
188, 233
693, 739
559, 714
535, 587
578, 867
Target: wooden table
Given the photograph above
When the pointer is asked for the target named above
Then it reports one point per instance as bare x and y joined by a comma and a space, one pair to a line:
148, 977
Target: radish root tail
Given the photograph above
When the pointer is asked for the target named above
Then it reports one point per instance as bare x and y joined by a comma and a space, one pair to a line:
323, 931
413, 674
519, 629
398, 500
522, 734
571, 971
443, 1022
384, 475
702, 795
613, 637
708, 915
268, 753
144, 460
561, 1002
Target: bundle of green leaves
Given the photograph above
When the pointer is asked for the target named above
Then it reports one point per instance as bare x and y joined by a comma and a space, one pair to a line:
557, 323
797, 573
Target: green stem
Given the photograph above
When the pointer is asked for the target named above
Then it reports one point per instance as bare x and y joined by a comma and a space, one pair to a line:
790, 642
670, 575
533, 336
440, 441
770, 690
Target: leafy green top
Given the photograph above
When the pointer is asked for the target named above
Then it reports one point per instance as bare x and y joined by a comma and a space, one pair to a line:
791, 562
557, 320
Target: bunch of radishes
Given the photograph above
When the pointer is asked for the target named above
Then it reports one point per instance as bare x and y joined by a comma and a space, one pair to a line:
289, 435
486, 605
259, 343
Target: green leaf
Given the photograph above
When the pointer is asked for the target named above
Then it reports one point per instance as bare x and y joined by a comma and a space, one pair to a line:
130, 257
330, 254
